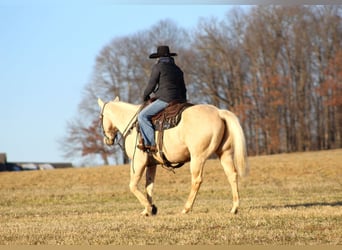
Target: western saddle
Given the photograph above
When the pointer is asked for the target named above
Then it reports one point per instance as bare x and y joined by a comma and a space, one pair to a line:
166, 119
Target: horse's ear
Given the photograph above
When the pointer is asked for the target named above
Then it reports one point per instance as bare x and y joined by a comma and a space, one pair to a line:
100, 102
116, 99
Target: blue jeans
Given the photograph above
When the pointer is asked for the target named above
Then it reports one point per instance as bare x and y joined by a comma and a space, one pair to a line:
144, 119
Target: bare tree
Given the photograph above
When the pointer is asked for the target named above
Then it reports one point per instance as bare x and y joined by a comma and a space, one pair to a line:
122, 69
268, 67
277, 67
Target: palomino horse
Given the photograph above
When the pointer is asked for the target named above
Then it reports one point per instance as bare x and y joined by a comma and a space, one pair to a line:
202, 131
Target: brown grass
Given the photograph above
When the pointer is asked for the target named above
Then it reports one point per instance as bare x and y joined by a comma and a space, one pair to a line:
288, 199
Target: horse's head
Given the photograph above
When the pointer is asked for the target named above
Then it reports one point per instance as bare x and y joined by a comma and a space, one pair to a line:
109, 129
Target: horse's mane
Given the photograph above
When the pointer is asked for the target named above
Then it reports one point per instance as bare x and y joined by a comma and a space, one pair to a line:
125, 105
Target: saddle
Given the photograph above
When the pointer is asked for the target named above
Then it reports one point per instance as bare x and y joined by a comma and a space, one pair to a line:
166, 119
170, 116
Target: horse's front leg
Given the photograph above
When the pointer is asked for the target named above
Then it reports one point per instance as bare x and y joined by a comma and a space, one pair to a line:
137, 171
150, 175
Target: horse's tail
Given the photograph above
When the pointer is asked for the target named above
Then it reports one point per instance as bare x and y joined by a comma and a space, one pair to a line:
235, 138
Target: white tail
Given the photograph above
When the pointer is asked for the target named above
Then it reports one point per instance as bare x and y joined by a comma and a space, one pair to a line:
237, 139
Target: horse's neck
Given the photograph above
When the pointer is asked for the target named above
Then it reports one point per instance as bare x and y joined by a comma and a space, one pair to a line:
123, 114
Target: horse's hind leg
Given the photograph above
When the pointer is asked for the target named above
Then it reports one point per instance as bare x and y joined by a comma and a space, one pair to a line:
196, 168
229, 169
150, 175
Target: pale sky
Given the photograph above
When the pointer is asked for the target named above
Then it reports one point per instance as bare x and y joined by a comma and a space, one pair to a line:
47, 54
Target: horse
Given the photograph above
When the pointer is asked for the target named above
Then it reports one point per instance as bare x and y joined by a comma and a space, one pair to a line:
202, 131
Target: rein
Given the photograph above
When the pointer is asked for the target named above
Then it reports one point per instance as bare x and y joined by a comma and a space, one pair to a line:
120, 140
117, 140
101, 121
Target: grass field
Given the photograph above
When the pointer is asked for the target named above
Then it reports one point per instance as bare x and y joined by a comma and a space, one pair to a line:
287, 199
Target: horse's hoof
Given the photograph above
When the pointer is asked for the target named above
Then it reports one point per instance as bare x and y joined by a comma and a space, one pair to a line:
234, 211
145, 213
185, 211
154, 210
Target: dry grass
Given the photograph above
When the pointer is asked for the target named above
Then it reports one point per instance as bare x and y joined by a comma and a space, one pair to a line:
289, 199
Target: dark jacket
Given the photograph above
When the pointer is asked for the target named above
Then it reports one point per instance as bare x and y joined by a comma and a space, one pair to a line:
166, 81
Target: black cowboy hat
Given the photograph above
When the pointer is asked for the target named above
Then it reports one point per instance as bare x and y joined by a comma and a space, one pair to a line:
162, 51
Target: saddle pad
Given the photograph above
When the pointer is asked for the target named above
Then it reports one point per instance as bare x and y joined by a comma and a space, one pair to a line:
170, 116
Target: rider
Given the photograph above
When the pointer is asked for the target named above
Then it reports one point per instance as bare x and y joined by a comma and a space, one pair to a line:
167, 83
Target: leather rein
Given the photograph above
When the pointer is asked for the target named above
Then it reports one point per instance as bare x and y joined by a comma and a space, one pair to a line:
117, 140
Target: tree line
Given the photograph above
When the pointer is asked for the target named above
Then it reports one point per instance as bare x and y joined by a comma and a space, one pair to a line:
278, 68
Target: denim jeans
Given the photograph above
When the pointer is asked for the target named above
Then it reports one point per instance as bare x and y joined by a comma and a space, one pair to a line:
144, 119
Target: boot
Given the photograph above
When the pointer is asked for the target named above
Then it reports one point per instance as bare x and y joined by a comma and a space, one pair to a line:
141, 145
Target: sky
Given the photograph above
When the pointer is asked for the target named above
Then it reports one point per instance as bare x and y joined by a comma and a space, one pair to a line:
47, 54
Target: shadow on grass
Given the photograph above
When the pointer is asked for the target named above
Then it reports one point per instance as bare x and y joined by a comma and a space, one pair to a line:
314, 204
309, 204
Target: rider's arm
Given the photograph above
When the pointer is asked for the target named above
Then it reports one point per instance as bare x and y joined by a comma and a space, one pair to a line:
154, 80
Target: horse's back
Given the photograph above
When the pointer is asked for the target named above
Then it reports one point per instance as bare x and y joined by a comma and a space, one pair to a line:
200, 116
200, 129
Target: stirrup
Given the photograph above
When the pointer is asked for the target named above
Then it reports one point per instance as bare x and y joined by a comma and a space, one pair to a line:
141, 147
149, 149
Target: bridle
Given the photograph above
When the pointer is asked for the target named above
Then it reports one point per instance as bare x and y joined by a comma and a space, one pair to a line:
101, 122
116, 139
129, 127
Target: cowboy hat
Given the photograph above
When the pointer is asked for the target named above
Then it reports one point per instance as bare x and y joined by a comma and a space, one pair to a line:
162, 51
